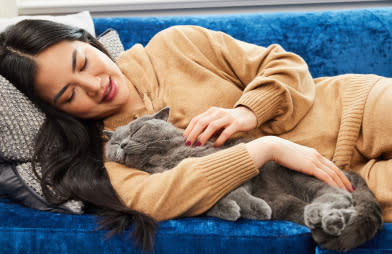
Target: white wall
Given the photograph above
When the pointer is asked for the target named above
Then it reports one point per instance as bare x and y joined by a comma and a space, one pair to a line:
185, 7
8, 8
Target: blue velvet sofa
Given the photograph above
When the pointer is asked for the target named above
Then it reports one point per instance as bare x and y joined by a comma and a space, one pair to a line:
332, 42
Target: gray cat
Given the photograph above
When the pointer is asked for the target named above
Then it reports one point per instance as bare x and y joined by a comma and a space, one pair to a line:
338, 220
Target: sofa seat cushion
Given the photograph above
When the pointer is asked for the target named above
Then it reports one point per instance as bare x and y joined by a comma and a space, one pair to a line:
24, 230
211, 235
381, 243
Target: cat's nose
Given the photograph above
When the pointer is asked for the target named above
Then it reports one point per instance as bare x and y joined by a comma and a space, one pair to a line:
123, 145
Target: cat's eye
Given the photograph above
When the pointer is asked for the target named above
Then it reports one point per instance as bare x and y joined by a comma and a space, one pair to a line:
135, 131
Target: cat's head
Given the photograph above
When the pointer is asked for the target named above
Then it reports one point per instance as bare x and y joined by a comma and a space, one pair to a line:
141, 138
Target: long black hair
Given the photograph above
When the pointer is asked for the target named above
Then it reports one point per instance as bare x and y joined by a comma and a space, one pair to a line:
69, 149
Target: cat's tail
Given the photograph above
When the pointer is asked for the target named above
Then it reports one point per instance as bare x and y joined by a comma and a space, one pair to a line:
361, 226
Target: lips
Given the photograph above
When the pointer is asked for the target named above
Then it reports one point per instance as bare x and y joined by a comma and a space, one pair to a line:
110, 91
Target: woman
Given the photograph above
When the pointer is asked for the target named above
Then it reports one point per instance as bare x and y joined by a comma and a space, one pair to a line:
215, 85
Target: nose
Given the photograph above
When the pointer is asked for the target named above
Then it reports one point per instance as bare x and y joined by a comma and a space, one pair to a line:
123, 145
91, 84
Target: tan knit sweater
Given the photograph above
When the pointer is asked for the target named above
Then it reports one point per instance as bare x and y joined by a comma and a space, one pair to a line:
191, 69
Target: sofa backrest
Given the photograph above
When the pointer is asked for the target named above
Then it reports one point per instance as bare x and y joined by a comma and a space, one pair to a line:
332, 42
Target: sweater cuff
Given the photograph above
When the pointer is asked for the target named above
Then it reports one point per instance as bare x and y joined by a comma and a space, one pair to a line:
227, 169
263, 101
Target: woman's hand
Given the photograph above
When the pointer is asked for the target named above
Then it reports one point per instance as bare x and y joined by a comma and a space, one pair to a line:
221, 122
297, 157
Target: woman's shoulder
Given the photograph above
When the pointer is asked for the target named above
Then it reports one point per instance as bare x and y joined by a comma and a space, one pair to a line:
182, 29
182, 34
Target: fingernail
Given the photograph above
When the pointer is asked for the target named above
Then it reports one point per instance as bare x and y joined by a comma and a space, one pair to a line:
198, 143
188, 143
353, 188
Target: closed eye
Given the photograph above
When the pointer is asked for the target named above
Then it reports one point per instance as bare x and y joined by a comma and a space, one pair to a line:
84, 65
134, 132
69, 100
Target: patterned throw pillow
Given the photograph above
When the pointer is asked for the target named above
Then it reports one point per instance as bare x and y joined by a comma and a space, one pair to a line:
111, 40
20, 121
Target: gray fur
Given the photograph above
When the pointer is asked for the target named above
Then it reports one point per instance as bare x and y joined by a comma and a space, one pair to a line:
339, 220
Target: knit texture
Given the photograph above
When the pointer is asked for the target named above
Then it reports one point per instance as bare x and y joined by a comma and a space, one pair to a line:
21, 121
192, 69
354, 98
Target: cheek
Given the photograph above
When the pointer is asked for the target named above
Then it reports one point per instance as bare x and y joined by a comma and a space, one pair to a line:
104, 62
83, 109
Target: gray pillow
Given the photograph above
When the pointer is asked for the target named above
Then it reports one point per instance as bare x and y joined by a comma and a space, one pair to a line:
111, 40
20, 121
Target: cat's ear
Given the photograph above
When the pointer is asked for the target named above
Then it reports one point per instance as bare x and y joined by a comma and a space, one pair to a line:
163, 114
108, 134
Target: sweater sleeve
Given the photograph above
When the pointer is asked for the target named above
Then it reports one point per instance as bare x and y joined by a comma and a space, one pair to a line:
277, 85
189, 189
377, 174
376, 146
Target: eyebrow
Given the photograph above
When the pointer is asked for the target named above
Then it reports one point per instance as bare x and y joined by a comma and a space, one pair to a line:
58, 95
74, 53
61, 92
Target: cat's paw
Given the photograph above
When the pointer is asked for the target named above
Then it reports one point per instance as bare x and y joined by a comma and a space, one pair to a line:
225, 209
335, 220
324, 206
257, 209
312, 215
331, 220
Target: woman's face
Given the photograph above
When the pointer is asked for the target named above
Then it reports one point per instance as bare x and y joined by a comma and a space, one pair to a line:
79, 79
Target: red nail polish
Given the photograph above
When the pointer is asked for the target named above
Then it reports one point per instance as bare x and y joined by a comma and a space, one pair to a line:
198, 144
188, 143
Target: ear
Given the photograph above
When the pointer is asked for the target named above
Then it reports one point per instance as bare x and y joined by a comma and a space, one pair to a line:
108, 134
163, 114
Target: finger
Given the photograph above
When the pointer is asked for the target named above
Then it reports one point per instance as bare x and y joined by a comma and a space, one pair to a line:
323, 176
200, 125
211, 112
225, 135
214, 128
333, 175
329, 168
347, 184
191, 125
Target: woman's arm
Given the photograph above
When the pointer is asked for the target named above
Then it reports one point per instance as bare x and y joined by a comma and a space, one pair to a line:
196, 184
189, 189
298, 158
277, 86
